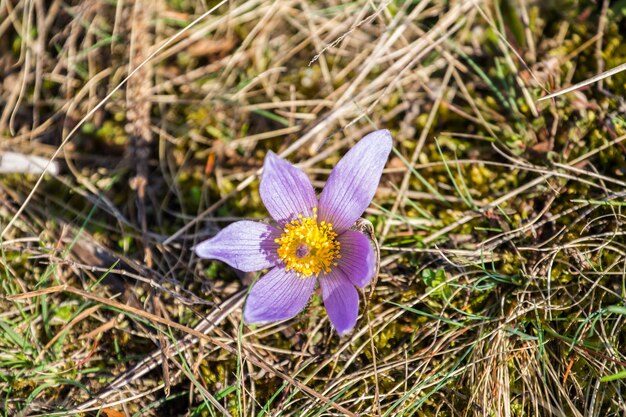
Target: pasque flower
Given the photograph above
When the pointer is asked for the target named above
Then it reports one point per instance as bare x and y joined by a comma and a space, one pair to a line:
312, 241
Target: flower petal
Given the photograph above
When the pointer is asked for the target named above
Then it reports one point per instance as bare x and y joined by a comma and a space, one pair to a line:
341, 300
285, 190
245, 245
279, 295
353, 181
358, 260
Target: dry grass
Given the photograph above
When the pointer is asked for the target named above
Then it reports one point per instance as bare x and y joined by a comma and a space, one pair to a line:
503, 251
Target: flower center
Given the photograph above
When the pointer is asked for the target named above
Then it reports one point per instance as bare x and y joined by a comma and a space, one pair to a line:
308, 247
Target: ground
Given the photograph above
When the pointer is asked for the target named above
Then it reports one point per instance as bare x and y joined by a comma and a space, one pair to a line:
499, 216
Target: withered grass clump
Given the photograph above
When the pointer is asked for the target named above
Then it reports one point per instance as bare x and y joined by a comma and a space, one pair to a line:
503, 253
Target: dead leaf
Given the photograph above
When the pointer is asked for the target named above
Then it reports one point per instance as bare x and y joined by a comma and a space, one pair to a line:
109, 412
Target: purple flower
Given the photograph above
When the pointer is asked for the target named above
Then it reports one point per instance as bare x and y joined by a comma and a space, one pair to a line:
313, 241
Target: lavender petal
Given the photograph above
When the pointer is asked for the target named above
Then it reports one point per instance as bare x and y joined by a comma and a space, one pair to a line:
279, 295
341, 300
353, 182
358, 261
245, 245
285, 190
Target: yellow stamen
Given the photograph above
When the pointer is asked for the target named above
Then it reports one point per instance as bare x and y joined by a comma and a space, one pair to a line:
308, 247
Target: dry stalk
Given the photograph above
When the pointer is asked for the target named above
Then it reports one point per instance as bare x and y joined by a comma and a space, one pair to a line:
138, 101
